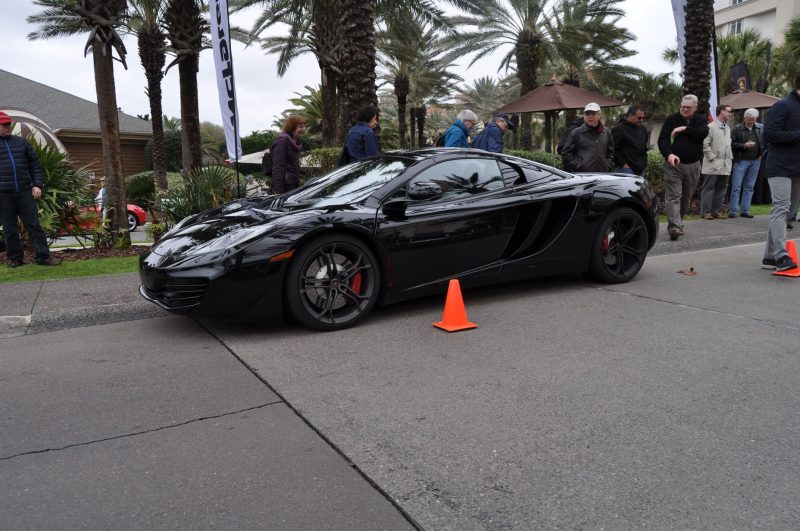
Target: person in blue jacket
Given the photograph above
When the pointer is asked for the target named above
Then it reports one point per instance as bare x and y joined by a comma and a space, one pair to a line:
491, 138
456, 136
361, 141
20, 187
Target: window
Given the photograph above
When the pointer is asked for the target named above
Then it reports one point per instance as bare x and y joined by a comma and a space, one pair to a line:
735, 27
737, 2
463, 177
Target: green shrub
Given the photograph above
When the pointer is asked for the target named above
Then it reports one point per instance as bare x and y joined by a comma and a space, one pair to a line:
140, 189
324, 158
203, 188
541, 157
654, 172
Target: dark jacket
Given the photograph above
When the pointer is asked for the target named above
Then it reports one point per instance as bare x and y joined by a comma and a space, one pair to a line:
630, 146
285, 153
739, 136
489, 139
574, 124
588, 149
456, 135
688, 145
782, 133
19, 165
361, 142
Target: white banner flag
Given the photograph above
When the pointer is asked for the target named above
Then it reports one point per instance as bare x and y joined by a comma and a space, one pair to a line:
223, 63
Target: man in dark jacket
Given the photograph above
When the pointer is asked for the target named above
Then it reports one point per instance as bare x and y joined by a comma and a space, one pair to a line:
782, 169
590, 146
457, 135
747, 143
630, 142
20, 186
681, 144
491, 137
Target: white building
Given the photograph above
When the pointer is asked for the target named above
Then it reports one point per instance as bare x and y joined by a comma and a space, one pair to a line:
768, 17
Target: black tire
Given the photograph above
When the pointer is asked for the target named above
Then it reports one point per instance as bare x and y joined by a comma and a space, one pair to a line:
323, 301
132, 222
620, 247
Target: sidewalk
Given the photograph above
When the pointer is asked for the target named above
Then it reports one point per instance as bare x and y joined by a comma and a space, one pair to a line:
33, 307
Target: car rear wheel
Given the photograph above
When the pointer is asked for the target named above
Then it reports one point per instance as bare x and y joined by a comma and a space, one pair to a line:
620, 248
132, 221
332, 282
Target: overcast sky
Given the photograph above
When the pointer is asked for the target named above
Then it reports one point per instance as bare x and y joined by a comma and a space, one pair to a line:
261, 94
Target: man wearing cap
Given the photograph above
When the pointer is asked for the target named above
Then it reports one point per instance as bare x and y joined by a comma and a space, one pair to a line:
491, 138
681, 144
590, 146
20, 186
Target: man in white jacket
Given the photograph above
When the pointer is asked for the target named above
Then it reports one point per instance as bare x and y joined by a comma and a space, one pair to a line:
717, 164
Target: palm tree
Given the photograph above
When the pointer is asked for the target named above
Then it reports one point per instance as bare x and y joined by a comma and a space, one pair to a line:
185, 28
747, 47
540, 31
697, 53
656, 94
100, 18
787, 58
309, 106
486, 95
145, 22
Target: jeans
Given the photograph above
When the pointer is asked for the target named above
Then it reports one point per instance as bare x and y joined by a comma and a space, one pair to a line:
743, 180
22, 205
680, 182
629, 171
781, 190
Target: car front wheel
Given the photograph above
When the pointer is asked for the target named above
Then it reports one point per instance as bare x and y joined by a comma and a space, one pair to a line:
132, 222
332, 282
620, 247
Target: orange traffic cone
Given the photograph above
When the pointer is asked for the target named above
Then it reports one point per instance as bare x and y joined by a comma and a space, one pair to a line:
791, 248
455, 315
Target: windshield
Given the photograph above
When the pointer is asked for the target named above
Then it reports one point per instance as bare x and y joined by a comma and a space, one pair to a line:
350, 184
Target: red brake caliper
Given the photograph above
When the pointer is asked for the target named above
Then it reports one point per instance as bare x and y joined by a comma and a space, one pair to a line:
355, 283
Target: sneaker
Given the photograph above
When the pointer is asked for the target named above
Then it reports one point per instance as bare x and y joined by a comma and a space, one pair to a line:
768, 263
50, 261
789, 226
747, 215
14, 263
784, 263
716, 216
731, 216
674, 234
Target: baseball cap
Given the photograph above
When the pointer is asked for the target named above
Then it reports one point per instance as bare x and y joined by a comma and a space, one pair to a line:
592, 107
504, 116
4, 118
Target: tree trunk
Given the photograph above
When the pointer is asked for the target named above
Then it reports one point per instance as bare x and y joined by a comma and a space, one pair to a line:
109, 138
421, 112
330, 108
192, 156
357, 20
412, 122
151, 52
697, 53
401, 89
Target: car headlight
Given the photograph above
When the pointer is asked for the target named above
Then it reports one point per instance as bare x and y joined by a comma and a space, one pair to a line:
232, 239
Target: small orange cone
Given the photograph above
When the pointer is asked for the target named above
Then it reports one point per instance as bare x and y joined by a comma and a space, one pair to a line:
791, 248
455, 314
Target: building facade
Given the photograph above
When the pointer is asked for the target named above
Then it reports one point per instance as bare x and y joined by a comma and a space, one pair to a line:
768, 17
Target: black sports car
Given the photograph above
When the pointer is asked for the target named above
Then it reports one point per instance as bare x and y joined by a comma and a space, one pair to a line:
395, 227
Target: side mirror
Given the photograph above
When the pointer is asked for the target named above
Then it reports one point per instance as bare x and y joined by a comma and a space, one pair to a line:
424, 191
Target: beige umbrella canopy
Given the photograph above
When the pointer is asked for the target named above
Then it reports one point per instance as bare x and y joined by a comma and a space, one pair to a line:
747, 99
556, 96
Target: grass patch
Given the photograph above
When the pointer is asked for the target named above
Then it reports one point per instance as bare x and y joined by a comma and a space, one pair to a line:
756, 210
78, 268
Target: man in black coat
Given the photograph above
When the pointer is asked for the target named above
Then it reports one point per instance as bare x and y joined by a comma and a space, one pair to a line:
681, 144
782, 169
20, 186
630, 142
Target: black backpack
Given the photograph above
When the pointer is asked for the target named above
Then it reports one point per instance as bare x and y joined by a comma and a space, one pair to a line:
439, 142
266, 162
344, 157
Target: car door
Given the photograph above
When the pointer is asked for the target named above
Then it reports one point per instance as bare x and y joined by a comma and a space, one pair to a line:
460, 234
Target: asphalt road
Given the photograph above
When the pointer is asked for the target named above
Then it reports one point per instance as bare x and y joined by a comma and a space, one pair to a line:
667, 402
